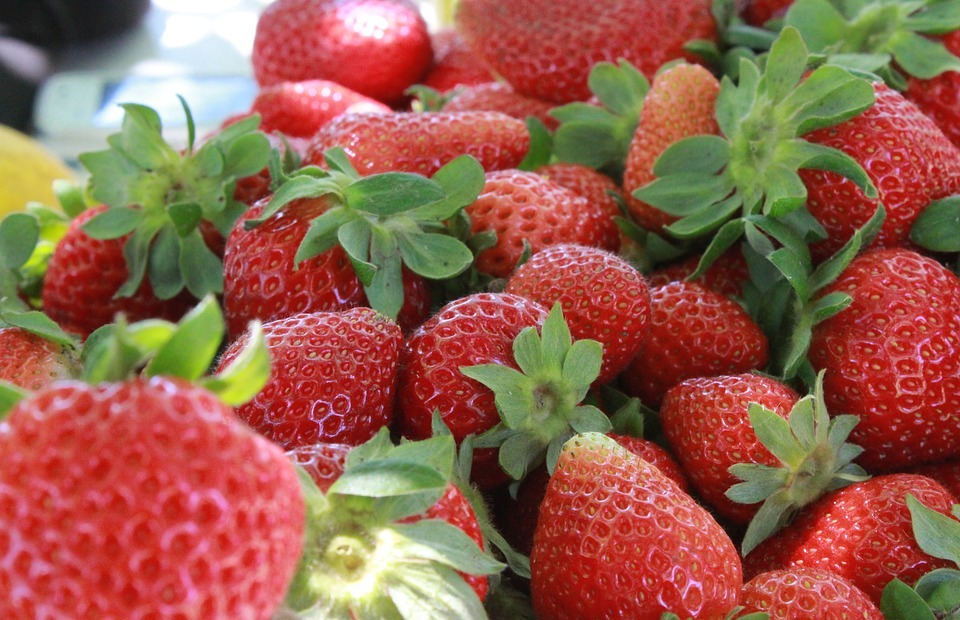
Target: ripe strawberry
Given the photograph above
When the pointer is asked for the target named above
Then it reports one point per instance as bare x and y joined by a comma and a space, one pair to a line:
680, 104
946, 473
84, 275
263, 281
603, 195
500, 97
32, 361
861, 532
127, 497
759, 12
413, 540
528, 213
300, 109
547, 48
799, 593
694, 332
332, 379
422, 142
892, 358
476, 329
377, 48
726, 275
603, 297
906, 156
613, 526
454, 63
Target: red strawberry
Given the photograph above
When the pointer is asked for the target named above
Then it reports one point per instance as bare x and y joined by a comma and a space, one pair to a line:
861, 532
615, 538
422, 142
300, 109
377, 48
602, 193
706, 421
500, 97
603, 298
800, 593
726, 275
694, 332
547, 48
906, 156
332, 379
938, 96
893, 357
680, 104
454, 63
132, 498
946, 473
325, 463
528, 213
31, 361
759, 12
476, 329
84, 275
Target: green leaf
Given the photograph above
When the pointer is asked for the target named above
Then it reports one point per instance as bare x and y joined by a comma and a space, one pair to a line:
803, 154
19, 235
114, 222
10, 395
684, 193
504, 381
556, 340
621, 88
774, 432
200, 267
786, 64
587, 418
519, 453
772, 515
141, 138
936, 533
322, 233
899, 602
435, 540
192, 348
581, 365
704, 154
388, 477
829, 96
794, 269
940, 588
163, 263
462, 180
829, 305
590, 143
385, 291
938, 226
939, 17
390, 193
356, 237
185, 217
337, 159
434, 256
297, 187
922, 57
35, 322
540, 152
423, 591
529, 351
247, 155
114, 351
245, 376
820, 23
706, 220
438, 452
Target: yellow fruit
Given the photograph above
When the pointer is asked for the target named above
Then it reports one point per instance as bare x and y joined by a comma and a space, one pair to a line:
27, 171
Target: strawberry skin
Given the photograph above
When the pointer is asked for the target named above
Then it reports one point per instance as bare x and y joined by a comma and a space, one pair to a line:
526, 211
939, 97
603, 297
706, 422
32, 362
300, 109
726, 275
332, 379
861, 532
83, 277
454, 63
422, 142
262, 282
694, 332
124, 499
907, 157
616, 539
546, 48
893, 358
476, 329
799, 593
501, 97
602, 193
377, 48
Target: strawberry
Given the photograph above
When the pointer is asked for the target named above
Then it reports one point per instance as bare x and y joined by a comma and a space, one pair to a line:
937, 96
861, 532
602, 193
694, 332
454, 63
603, 298
726, 275
391, 531
546, 49
300, 109
615, 538
686, 87
422, 142
500, 97
477, 329
946, 473
332, 380
127, 496
33, 351
528, 213
891, 357
759, 12
799, 593
331, 239
377, 48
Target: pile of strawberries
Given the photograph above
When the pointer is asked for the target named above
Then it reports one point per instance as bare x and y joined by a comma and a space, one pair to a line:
651, 312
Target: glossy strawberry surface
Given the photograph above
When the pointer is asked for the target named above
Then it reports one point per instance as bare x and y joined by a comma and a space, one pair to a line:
31, 362
300, 109
800, 593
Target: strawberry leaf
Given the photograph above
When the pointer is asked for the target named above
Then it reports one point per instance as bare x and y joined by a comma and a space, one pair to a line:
10, 395
192, 348
936, 533
900, 602
938, 227
19, 235
419, 592
246, 374
434, 256
389, 477
435, 540
390, 193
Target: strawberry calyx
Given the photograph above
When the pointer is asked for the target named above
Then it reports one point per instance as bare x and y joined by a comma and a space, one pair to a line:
889, 38
385, 221
540, 405
160, 196
717, 184
814, 455
935, 595
365, 558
